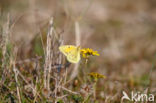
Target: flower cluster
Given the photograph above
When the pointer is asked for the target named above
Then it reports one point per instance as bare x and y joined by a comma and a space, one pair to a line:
86, 52
96, 76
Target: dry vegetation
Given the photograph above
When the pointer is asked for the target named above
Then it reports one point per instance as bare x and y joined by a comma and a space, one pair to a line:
32, 69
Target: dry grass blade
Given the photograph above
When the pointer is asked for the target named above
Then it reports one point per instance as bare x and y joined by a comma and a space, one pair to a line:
48, 56
16, 78
4, 43
78, 41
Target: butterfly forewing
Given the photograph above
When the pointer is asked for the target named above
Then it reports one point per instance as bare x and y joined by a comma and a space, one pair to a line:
66, 49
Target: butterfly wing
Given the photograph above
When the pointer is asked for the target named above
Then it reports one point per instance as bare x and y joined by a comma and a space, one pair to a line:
74, 56
66, 49
71, 52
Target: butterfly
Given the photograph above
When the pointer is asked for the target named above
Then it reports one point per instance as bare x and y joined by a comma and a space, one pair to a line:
71, 52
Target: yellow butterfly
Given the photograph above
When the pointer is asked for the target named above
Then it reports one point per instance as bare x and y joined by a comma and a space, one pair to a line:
71, 52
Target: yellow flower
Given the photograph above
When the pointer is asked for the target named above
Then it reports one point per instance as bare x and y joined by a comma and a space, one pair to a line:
86, 52
96, 75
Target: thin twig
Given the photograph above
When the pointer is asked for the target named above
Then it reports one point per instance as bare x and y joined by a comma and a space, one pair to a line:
27, 82
68, 90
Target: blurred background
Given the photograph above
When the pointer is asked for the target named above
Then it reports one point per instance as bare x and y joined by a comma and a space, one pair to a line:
122, 31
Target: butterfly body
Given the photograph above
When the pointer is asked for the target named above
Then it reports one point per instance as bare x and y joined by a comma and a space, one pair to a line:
71, 52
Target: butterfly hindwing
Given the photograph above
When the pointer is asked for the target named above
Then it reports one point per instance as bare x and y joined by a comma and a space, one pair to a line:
71, 52
74, 56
